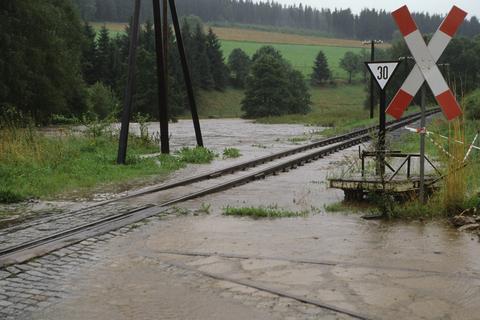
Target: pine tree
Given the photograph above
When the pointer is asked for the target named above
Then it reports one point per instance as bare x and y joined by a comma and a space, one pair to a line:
88, 54
217, 62
201, 63
40, 70
103, 57
274, 88
177, 99
321, 71
239, 65
300, 97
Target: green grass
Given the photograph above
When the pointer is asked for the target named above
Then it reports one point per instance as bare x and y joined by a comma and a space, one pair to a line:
197, 155
411, 143
114, 28
348, 207
436, 207
220, 104
300, 56
36, 166
231, 153
262, 212
340, 107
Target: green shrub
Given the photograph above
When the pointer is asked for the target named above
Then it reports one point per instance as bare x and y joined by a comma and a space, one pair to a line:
262, 212
196, 155
231, 153
8, 196
102, 101
60, 119
472, 105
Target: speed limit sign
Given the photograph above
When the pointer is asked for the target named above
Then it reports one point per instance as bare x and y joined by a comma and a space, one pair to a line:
382, 71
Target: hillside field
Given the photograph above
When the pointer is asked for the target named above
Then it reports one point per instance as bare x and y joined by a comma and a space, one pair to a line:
300, 56
300, 50
340, 107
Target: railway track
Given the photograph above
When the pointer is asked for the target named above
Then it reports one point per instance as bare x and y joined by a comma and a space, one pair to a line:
87, 227
52, 239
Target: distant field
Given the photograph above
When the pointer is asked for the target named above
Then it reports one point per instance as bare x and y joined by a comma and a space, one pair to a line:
114, 27
300, 50
300, 56
241, 34
340, 106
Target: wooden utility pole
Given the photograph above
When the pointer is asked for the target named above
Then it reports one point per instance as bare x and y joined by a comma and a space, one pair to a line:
186, 73
161, 78
129, 91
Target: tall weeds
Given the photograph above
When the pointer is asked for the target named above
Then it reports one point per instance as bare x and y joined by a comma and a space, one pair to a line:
455, 184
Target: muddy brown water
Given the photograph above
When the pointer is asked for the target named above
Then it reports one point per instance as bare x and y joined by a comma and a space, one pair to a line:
387, 270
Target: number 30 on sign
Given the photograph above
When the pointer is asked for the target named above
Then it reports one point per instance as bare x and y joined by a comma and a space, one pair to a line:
382, 71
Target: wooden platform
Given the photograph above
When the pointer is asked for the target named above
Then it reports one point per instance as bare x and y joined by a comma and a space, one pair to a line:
357, 186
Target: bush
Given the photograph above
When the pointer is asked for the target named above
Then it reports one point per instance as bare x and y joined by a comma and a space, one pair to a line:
59, 119
274, 88
102, 101
471, 104
197, 155
8, 196
231, 153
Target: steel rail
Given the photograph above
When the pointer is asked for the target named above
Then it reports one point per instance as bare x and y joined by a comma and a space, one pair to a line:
327, 263
68, 237
274, 291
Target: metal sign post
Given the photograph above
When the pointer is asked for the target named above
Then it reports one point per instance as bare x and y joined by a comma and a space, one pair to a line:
372, 44
382, 72
422, 147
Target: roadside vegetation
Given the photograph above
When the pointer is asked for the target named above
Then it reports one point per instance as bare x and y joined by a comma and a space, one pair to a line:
75, 165
262, 212
457, 192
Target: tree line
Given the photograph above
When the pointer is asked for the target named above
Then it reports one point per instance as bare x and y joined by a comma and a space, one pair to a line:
368, 24
56, 67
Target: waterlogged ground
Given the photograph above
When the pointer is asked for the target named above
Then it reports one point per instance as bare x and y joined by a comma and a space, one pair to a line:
252, 139
380, 270
376, 269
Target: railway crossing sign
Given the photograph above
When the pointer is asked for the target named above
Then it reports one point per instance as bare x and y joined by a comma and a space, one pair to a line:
426, 58
382, 71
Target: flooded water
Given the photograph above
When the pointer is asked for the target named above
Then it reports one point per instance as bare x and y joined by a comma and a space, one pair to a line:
385, 270
381, 269
218, 133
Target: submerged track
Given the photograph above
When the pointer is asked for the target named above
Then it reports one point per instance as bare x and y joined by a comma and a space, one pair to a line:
296, 157
268, 165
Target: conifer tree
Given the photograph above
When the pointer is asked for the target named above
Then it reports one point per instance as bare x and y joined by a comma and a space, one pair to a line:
201, 63
273, 87
217, 62
239, 65
103, 57
321, 71
88, 54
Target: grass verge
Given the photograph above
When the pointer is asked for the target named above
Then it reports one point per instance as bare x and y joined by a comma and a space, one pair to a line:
262, 212
71, 166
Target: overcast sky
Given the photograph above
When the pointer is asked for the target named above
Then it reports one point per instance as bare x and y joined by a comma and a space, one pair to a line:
432, 6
